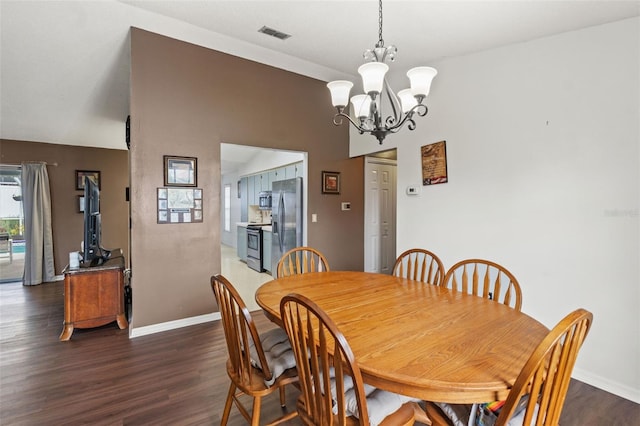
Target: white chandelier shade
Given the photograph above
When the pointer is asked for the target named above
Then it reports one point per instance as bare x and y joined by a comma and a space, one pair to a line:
340, 92
407, 100
361, 106
421, 78
373, 77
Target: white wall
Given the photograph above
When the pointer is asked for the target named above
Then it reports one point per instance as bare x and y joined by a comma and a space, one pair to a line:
543, 159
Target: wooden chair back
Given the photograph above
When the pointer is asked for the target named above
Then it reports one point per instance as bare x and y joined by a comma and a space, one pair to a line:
546, 375
419, 265
241, 334
325, 362
485, 279
300, 260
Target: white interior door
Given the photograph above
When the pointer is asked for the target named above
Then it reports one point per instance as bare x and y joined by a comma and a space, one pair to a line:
380, 215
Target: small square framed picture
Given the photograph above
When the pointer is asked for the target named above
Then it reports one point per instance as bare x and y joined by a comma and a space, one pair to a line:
180, 171
331, 182
80, 174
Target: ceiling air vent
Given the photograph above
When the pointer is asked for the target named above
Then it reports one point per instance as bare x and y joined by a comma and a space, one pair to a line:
274, 33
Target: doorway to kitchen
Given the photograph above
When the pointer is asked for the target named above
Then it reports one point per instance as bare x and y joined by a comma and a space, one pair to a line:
237, 162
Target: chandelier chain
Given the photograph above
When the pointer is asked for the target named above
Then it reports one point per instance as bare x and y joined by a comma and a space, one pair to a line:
380, 40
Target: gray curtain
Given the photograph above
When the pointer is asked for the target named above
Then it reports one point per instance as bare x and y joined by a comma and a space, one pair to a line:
36, 201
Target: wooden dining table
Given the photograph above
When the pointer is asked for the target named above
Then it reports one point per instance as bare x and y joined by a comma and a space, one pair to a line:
418, 339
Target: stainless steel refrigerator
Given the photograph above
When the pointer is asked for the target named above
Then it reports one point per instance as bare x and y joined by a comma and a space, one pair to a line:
286, 218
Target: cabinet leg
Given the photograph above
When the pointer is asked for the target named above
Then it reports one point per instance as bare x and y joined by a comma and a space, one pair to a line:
122, 321
66, 332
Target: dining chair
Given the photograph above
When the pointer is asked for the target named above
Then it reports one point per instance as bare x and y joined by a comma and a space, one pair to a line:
539, 392
300, 260
485, 279
331, 384
258, 365
419, 265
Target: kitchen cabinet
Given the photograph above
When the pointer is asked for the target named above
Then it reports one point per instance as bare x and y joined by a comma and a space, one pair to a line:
244, 201
266, 250
242, 243
273, 176
265, 184
290, 171
251, 190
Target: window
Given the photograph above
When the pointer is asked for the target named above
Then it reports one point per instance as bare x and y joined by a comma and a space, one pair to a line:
227, 208
12, 243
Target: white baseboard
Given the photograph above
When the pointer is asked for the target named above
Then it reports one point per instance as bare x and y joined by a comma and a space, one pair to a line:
607, 385
172, 325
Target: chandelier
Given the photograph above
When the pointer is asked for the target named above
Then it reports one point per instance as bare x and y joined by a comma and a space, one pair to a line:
368, 107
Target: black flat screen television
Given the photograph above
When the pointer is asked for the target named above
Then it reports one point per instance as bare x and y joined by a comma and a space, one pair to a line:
92, 252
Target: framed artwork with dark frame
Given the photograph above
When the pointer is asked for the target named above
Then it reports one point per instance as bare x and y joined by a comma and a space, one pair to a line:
180, 171
330, 182
434, 163
80, 174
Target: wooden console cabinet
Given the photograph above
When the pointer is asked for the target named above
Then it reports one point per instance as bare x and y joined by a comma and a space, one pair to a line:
94, 296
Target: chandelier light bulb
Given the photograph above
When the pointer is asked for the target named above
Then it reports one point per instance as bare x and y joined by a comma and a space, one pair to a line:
340, 92
420, 78
373, 76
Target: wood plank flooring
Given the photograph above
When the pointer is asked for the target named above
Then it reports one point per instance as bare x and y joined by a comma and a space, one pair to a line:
101, 377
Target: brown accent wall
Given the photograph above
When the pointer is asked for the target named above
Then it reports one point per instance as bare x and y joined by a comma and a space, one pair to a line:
186, 100
68, 223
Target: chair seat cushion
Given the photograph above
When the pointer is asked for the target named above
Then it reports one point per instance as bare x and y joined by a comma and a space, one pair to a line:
277, 351
380, 403
468, 414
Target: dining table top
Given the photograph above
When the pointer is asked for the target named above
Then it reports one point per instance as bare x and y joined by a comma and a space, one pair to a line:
418, 339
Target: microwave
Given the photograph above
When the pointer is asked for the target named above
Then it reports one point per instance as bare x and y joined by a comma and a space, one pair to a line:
264, 200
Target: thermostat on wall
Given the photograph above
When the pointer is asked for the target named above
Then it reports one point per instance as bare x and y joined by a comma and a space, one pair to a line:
413, 190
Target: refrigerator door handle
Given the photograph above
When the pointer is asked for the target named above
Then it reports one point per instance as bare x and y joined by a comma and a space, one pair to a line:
280, 219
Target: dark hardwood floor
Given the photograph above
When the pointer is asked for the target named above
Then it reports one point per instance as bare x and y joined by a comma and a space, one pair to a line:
101, 377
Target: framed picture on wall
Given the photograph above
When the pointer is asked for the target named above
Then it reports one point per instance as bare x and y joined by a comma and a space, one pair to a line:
434, 163
331, 182
80, 174
180, 171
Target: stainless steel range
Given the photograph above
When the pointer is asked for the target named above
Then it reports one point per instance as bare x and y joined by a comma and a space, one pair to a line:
254, 247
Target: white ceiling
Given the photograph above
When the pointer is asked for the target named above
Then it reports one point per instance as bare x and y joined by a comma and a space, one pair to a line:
65, 64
